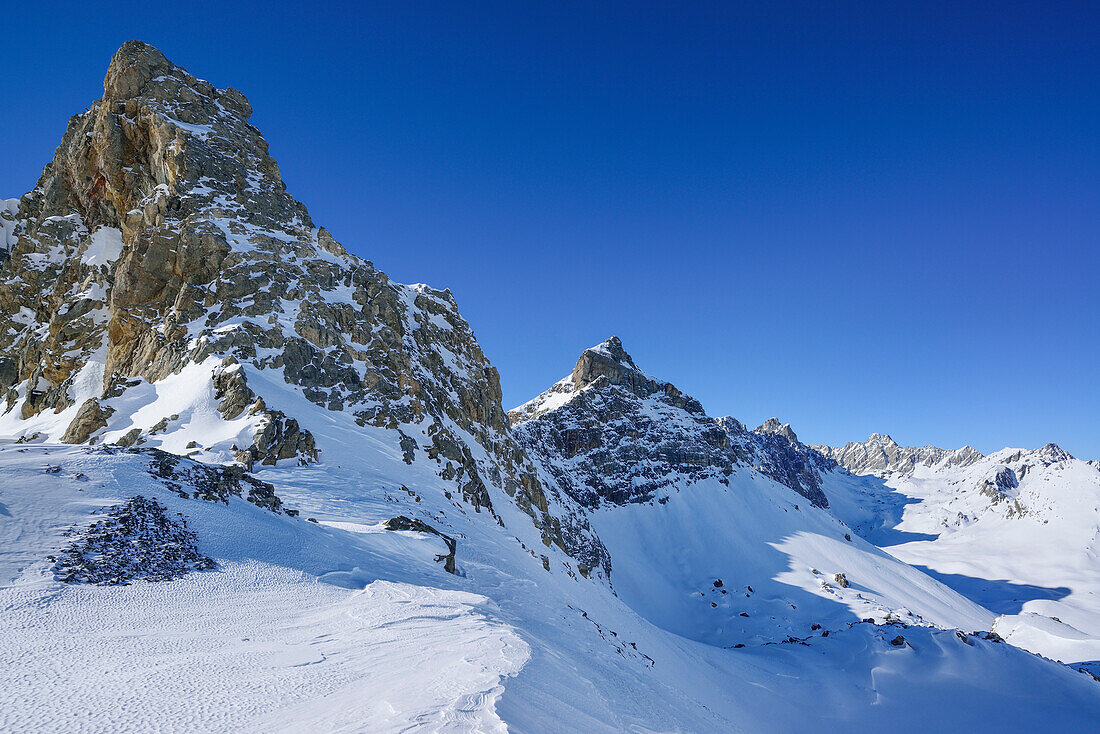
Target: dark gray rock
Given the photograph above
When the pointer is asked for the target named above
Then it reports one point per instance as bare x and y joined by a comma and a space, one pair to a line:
136, 540
417, 525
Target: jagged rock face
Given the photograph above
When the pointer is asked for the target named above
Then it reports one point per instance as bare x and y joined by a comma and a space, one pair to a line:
160, 242
774, 449
881, 456
773, 427
610, 432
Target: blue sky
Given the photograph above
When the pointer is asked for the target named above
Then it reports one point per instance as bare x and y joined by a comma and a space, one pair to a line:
855, 216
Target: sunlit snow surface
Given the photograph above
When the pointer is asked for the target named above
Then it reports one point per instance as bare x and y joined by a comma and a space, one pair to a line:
1031, 555
261, 644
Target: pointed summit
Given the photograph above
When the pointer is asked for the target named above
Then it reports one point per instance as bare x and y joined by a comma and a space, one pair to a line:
160, 247
613, 347
132, 67
606, 364
140, 71
609, 360
773, 427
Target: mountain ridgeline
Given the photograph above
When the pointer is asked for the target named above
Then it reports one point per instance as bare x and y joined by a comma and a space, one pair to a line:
160, 287
881, 456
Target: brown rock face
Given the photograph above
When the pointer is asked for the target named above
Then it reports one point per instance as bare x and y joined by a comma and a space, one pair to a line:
89, 419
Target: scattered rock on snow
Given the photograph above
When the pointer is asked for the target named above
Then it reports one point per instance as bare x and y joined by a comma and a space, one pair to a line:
137, 540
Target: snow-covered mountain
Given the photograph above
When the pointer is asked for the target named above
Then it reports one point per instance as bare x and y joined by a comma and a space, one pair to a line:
882, 456
162, 289
703, 537
247, 483
1017, 531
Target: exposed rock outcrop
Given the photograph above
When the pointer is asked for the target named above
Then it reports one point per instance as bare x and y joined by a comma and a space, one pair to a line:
610, 432
618, 434
881, 456
416, 525
160, 251
773, 449
135, 540
90, 418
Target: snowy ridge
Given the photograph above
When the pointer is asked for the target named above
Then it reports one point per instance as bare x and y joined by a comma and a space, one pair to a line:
882, 456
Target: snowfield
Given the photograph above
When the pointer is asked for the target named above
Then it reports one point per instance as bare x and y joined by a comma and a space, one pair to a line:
1030, 553
394, 643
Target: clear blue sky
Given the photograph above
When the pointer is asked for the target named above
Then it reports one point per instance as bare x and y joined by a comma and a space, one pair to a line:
854, 216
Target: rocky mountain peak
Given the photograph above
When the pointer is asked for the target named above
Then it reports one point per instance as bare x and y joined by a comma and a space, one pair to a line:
1053, 452
881, 456
160, 287
606, 365
774, 427
139, 71
610, 432
608, 360
133, 66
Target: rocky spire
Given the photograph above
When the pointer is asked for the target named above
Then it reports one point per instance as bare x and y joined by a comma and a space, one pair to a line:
607, 363
132, 67
161, 240
608, 360
774, 427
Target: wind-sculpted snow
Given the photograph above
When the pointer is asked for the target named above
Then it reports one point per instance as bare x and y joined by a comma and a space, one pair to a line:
263, 643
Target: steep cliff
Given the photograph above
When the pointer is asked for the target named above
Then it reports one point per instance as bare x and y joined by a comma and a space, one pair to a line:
160, 287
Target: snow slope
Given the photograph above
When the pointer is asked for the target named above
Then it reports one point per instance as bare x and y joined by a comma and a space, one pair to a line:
263, 643
1017, 531
714, 549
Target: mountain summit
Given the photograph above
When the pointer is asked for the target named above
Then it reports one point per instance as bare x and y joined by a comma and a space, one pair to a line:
611, 432
161, 288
